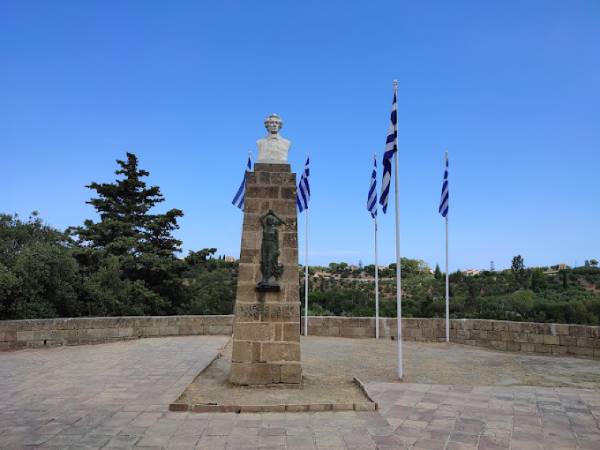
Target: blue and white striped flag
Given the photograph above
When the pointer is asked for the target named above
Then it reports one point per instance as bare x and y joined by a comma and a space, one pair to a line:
445, 197
303, 194
372, 198
391, 147
240, 195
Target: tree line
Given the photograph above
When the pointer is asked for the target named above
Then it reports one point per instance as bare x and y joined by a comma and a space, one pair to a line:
125, 263
536, 294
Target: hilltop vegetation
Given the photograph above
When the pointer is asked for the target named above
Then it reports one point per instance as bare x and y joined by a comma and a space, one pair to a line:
542, 294
128, 263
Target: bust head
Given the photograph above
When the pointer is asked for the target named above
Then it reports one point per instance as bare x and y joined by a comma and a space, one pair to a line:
273, 123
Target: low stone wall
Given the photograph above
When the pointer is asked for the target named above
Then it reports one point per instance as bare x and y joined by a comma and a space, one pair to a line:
545, 338
92, 330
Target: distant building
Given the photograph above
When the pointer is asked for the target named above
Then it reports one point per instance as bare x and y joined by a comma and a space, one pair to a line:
471, 272
230, 259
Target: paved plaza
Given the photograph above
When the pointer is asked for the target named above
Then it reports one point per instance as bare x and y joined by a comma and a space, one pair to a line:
115, 396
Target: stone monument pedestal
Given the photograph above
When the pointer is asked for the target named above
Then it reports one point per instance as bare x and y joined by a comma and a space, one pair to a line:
266, 330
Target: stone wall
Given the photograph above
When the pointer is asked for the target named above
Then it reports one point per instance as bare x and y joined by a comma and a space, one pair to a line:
92, 330
544, 338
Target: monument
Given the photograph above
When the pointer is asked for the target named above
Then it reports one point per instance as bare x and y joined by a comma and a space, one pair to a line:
266, 330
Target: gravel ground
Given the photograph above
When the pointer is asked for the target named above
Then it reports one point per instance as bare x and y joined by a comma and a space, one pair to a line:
440, 363
330, 364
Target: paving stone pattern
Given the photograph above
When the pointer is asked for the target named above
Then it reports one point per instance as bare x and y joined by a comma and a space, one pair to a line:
115, 396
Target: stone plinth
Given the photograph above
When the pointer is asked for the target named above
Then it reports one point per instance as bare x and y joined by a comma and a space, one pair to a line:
266, 330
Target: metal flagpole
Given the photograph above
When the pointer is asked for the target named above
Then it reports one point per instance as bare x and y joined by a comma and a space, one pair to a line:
398, 265
376, 284
447, 279
306, 272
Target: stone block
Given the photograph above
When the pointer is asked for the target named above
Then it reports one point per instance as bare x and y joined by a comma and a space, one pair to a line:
577, 330
296, 408
542, 348
551, 340
25, 336
291, 332
365, 406
290, 240
291, 373
560, 329
225, 330
580, 351
258, 331
168, 331
498, 325
280, 351
249, 256
559, 350
527, 347
567, 340
354, 332
288, 193
251, 178
253, 373
513, 346
247, 271
281, 178
267, 167
8, 335
245, 351
263, 177
319, 407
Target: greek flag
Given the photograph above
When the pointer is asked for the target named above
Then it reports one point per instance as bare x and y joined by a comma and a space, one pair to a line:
240, 195
303, 194
445, 197
372, 198
391, 147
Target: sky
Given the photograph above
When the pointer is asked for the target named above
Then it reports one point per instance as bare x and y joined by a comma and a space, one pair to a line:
510, 89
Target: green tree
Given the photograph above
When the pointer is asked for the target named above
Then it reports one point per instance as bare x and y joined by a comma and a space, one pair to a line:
142, 242
437, 273
519, 272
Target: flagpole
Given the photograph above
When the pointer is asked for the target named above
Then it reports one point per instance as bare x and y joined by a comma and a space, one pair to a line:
447, 275
376, 283
398, 263
306, 272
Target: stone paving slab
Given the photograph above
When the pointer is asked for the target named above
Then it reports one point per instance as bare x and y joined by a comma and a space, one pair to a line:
495, 417
115, 396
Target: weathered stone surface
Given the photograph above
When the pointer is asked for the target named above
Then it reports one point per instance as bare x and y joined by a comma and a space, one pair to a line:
263, 317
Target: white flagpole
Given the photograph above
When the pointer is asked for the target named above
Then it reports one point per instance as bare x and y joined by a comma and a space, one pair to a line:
306, 272
376, 283
398, 265
447, 275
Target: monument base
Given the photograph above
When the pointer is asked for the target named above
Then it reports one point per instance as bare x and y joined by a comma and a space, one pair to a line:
266, 330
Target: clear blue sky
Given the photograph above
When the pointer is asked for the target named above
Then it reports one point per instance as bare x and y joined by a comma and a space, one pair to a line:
511, 89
